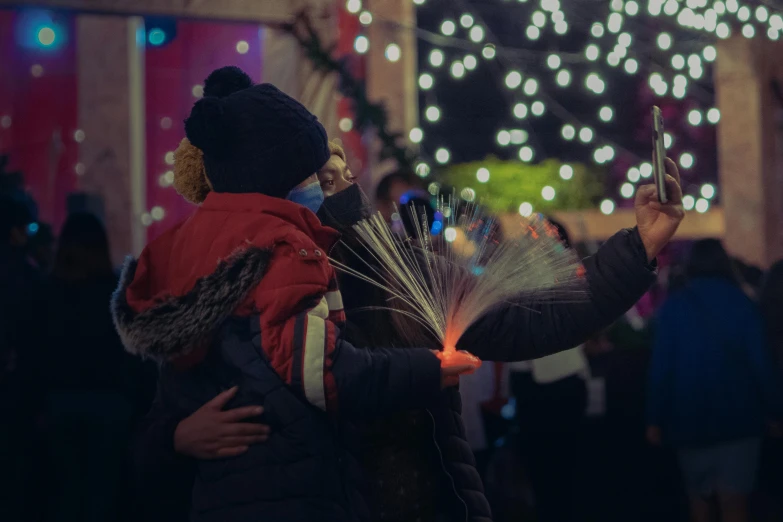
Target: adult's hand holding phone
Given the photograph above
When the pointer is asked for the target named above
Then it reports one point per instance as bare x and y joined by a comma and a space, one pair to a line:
212, 433
657, 222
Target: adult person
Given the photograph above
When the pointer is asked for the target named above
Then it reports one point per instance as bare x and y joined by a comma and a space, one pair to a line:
419, 463
389, 191
19, 281
551, 397
90, 389
712, 384
242, 293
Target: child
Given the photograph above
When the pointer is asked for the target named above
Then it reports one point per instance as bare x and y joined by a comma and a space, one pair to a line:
242, 293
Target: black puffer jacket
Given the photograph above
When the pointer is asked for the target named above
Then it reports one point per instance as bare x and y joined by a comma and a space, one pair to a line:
618, 275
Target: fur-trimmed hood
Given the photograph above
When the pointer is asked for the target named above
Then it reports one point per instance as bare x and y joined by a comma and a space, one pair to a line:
174, 325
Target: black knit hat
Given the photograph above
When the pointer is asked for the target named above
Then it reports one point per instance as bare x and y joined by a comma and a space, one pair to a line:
254, 138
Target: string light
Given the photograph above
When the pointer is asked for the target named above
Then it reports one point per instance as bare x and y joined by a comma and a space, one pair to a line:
594, 83
470, 62
526, 154
709, 53
361, 44
432, 113
436, 58
531, 87
525, 209
568, 132
597, 29
631, 66
457, 70
702, 205
504, 138
476, 34
426, 81
353, 6
553, 61
664, 41
533, 32
607, 206
482, 175
393, 52
345, 124
365, 18
566, 172
713, 115
448, 27
605, 113
592, 52
614, 23
518, 136
563, 78
466, 20
633, 175
645, 169
586, 135
488, 51
686, 160
520, 111
416, 135
708, 191
537, 108
442, 155
243, 47
548, 193
694, 117
668, 140
678, 61
513, 80
688, 201
627, 190
748, 31
422, 170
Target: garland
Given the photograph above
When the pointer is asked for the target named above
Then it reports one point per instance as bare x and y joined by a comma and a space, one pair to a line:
367, 115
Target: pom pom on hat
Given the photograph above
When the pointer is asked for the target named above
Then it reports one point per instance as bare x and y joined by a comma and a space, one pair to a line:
206, 128
226, 81
190, 177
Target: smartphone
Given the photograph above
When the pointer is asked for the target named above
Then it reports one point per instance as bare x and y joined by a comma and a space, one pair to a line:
659, 155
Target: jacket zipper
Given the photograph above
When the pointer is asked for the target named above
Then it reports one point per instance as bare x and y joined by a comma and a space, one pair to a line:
443, 466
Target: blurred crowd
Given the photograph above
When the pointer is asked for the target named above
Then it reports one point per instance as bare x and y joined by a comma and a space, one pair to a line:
671, 414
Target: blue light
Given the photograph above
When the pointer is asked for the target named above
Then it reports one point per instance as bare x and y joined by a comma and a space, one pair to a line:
40, 31
47, 36
32, 229
437, 226
156, 36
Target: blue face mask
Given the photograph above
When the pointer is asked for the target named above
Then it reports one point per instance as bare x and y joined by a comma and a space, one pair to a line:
310, 196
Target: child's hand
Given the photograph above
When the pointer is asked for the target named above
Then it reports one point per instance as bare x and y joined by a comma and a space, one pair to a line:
450, 373
449, 376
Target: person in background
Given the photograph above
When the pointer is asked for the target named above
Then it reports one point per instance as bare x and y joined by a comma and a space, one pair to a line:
41, 246
550, 395
19, 280
389, 191
88, 387
712, 385
772, 307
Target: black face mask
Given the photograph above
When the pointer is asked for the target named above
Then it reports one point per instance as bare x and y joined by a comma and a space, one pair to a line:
344, 209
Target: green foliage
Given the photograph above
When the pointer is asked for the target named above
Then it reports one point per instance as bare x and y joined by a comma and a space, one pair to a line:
513, 182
